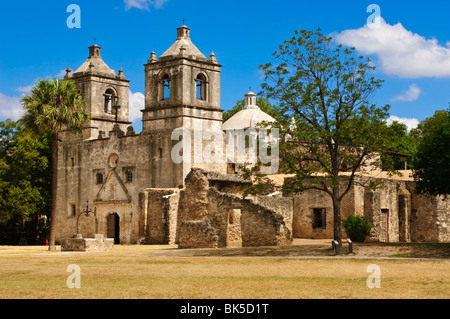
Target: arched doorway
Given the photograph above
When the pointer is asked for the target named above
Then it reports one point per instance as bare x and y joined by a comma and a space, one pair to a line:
113, 227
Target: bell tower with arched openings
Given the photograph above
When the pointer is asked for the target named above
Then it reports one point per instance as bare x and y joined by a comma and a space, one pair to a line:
182, 90
103, 91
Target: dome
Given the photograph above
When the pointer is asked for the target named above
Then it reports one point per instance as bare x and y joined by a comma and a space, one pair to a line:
183, 43
250, 116
95, 64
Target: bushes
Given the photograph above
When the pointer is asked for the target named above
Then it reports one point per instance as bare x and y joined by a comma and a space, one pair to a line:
357, 228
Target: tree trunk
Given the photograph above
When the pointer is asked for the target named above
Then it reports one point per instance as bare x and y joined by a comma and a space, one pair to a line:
337, 215
51, 244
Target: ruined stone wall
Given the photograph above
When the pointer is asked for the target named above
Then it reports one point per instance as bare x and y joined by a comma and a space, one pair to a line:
259, 224
213, 218
372, 207
161, 207
430, 217
282, 205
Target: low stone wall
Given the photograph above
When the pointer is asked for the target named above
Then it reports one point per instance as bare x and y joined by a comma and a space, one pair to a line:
87, 244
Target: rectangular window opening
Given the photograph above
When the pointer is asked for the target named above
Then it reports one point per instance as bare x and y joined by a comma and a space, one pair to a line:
319, 218
71, 210
99, 178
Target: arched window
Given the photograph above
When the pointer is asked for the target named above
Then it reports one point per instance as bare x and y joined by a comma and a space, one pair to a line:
165, 87
110, 100
200, 81
129, 176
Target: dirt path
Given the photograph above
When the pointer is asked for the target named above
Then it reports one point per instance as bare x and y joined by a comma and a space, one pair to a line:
321, 248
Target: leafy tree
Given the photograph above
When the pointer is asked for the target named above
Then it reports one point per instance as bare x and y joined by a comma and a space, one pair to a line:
326, 90
52, 106
400, 141
263, 104
432, 159
24, 181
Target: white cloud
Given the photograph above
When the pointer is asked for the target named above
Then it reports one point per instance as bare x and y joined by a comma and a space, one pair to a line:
143, 4
409, 122
399, 51
10, 107
25, 89
60, 74
412, 94
137, 103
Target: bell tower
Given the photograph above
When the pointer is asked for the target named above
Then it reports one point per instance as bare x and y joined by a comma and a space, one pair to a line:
182, 91
105, 93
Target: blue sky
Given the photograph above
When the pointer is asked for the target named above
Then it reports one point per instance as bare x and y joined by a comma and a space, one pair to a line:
409, 46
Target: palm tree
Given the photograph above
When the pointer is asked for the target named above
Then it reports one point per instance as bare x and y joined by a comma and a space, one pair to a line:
51, 106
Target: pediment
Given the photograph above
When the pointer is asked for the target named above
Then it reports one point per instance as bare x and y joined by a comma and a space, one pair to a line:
113, 190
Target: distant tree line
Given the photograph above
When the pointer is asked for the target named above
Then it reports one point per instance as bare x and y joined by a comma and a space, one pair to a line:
24, 184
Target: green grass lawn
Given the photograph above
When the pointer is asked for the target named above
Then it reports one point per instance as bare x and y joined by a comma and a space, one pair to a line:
132, 272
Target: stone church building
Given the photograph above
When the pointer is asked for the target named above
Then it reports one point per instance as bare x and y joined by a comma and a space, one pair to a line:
140, 195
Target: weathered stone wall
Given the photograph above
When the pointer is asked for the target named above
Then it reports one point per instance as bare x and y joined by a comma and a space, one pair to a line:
79, 163
198, 234
213, 218
359, 201
389, 202
395, 212
161, 209
388, 209
430, 217
282, 205
443, 219
234, 231
372, 207
304, 205
260, 225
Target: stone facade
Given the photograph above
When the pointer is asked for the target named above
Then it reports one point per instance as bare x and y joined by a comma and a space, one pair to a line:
142, 195
182, 90
430, 217
109, 165
395, 212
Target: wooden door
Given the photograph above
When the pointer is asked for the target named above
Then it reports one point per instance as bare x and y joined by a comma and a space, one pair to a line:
113, 227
